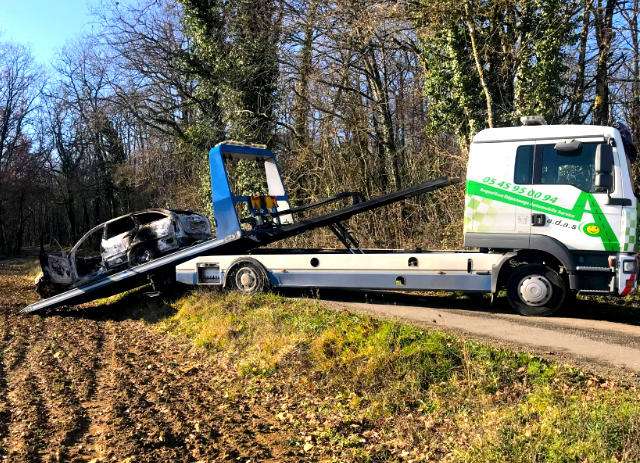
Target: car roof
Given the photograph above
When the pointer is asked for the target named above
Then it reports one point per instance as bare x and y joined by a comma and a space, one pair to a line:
144, 211
153, 209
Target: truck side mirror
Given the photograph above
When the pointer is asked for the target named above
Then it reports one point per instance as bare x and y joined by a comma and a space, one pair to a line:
604, 167
569, 148
604, 159
604, 181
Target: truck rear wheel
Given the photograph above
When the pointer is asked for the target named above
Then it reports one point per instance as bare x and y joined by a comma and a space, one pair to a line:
248, 277
536, 290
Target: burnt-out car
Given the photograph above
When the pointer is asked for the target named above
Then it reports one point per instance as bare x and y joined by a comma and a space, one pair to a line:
125, 241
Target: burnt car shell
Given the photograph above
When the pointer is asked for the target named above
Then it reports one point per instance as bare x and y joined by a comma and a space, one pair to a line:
122, 242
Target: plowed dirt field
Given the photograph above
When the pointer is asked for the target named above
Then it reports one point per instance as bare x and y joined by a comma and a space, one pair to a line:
104, 385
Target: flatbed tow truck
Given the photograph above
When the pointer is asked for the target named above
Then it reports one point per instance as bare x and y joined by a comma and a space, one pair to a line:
550, 211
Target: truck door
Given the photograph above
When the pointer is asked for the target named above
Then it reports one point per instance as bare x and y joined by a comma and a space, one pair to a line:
566, 202
492, 202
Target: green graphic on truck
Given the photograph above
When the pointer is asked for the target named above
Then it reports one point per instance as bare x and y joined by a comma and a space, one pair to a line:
536, 202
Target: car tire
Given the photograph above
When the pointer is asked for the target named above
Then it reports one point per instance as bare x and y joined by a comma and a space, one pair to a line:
141, 255
535, 290
46, 288
248, 277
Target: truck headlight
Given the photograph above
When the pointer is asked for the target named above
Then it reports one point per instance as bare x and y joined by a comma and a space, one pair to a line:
629, 266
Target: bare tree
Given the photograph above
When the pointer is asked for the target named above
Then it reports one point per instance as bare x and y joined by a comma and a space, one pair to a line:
20, 85
629, 75
148, 49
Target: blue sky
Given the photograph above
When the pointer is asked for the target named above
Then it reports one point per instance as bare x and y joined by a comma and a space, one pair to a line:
45, 25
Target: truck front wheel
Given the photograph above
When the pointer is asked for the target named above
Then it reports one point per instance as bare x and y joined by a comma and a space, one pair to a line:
536, 290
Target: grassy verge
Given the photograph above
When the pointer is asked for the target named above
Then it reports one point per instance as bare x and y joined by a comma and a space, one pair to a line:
356, 388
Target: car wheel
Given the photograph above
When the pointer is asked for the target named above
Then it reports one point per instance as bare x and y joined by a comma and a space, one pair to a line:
536, 290
141, 255
249, 278
44, 287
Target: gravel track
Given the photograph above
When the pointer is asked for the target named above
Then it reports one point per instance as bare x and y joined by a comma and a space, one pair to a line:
601, 338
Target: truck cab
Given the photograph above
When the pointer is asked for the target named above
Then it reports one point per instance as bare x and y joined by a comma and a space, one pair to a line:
558, 195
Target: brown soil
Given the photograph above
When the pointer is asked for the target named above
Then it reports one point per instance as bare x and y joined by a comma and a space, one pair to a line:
102, 384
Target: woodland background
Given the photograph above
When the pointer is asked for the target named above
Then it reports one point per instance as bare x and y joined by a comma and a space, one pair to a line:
352, 95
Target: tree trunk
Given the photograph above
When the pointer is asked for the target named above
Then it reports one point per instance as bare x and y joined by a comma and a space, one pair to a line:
476, 57
302, 107
19, 235
383, 108
576, 115
604, 36
69, 204
635, 86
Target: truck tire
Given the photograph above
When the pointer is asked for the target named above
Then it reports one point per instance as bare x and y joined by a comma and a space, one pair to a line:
535, 290
248, 277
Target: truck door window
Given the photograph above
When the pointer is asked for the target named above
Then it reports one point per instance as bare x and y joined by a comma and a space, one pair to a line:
523, 171
559, 169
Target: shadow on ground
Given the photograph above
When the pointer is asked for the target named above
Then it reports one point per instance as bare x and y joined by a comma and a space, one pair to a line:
609, 309
142, 304
138, 304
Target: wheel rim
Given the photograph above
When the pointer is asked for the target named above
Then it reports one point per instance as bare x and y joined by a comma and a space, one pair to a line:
145, 256
535, 290
246, 280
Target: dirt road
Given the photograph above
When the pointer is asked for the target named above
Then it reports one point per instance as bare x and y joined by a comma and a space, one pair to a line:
603, 338
103, 386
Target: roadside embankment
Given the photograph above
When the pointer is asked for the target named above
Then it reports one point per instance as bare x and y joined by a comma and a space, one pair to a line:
353, 387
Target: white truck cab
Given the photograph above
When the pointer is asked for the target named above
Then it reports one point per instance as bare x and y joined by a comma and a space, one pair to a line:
559, 195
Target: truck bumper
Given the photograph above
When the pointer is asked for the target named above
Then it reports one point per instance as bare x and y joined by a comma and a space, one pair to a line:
627, 274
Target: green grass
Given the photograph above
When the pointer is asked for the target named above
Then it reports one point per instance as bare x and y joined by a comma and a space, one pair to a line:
380, 390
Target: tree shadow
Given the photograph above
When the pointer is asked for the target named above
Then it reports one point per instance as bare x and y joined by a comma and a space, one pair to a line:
621, 310
457, 301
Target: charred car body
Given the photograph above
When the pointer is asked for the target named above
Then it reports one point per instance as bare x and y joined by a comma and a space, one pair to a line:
125, 241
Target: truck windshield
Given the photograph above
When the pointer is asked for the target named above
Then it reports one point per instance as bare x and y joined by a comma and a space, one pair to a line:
633, 176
